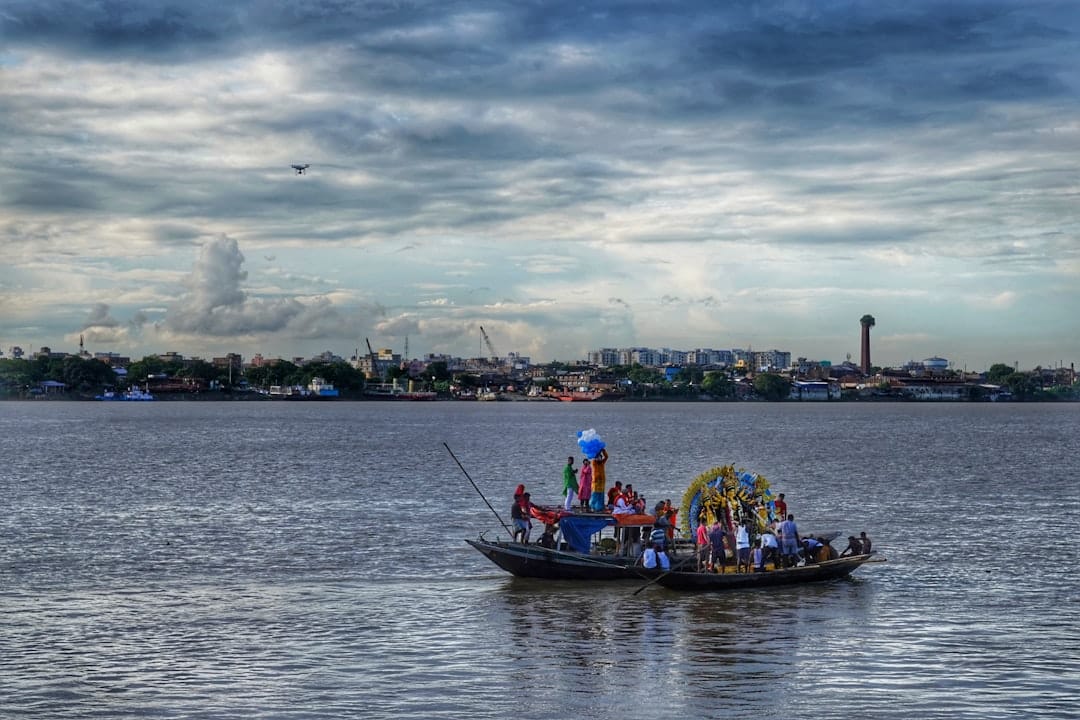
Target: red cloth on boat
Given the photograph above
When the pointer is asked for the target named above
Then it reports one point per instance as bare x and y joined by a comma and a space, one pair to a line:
634, 519
548, 516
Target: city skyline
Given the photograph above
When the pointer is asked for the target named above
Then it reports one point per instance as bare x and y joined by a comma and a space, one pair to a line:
649, 356
568, 177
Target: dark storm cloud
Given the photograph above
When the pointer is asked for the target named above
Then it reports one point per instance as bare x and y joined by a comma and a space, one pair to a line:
747, 52
144, 29
52, 194
176, 234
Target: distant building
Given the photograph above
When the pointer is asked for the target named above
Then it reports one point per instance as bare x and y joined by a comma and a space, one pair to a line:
936, 364
232, 362
814, 390
326, 357
604, 357
771, 360
112, 359
378, 366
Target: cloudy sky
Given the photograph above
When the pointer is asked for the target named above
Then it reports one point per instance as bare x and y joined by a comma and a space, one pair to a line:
567, 175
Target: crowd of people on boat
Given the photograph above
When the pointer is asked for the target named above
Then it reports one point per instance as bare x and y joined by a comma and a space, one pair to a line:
778, 545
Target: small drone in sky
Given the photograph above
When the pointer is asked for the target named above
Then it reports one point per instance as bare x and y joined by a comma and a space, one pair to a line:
300, 168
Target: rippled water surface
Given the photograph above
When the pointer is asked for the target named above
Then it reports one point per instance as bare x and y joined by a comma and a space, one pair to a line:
305, 560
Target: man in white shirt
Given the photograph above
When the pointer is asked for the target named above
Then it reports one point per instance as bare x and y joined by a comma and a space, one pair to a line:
742, 547
770, 549
653, 558
648, 558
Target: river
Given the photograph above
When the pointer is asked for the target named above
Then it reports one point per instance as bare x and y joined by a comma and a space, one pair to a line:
306, 560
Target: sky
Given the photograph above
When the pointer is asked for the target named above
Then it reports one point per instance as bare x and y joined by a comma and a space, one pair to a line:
568, 176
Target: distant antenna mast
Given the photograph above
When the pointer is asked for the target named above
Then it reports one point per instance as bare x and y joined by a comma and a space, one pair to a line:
406, 358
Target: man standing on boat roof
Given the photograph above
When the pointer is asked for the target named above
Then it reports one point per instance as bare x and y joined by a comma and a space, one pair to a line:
570, 483
599, 481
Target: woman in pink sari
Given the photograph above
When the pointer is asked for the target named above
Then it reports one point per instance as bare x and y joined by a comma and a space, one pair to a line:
585, 483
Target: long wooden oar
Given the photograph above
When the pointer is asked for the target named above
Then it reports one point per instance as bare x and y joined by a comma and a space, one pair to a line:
662, 575
497, 516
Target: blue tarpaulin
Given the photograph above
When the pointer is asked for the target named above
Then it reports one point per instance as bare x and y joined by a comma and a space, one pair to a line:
578, 530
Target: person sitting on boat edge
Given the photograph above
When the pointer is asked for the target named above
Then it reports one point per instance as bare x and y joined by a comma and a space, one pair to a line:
614, 493
652, 557
865, 541
570, 483
621, 507
854, 547
548, 538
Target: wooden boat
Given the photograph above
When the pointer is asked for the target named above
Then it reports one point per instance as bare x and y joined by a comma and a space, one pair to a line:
534, 561
583, 553
580, 552
579, 395
811, 572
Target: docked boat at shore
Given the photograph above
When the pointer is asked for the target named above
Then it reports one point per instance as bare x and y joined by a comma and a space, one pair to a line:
393, 391
579, 395
133, 395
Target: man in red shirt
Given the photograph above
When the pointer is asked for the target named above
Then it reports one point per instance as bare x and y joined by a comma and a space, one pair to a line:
781, 508
614, 493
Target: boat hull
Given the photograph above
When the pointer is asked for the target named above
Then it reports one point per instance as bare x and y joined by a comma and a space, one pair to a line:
534, 561
814, 572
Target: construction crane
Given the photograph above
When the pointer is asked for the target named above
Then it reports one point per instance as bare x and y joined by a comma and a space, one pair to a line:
490, 347
374, 359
